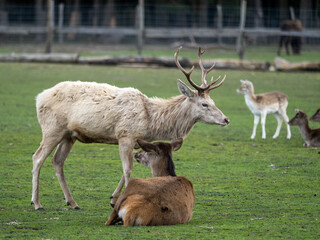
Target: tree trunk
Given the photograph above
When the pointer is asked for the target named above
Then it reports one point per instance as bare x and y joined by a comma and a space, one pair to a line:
203, 10
40, 19
75, 19
3, 13
258, 18
109, 16
305, 7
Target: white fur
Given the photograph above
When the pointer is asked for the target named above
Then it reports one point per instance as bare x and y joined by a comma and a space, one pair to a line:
262, 104
100, 113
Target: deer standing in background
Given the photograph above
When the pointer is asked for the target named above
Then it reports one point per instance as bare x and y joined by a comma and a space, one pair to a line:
100, 113
310, 136
294, 41
164, 199
265, 103
316, 117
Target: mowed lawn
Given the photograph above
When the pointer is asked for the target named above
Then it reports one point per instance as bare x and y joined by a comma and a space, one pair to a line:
238, 194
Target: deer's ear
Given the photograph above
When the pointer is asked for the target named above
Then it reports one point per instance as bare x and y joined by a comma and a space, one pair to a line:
176, 144
185, 90
146, 146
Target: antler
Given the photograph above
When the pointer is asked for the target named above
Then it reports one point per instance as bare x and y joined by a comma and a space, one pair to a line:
204, 86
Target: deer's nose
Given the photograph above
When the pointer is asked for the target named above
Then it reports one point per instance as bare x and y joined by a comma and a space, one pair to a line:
227, 121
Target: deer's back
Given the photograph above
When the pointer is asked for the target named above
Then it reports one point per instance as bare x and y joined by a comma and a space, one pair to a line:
158, 200
97, 112
269, 98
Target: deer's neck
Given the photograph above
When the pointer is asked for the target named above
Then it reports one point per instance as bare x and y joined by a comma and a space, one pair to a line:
170, 119
305, 130
251, 101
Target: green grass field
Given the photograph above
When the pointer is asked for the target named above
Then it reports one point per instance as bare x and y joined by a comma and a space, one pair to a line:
237, 195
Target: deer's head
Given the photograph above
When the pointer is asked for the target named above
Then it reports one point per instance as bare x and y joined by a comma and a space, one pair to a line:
299, 119
199, 99
245, 88
158, 156
316, 116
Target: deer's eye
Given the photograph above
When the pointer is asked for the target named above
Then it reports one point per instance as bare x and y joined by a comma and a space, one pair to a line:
204, 105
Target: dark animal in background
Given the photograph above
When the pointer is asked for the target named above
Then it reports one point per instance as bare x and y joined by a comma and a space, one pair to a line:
164, 199
310, 136
294, 41
316, 116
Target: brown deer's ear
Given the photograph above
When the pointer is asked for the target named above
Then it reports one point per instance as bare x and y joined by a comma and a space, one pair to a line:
146, 146
176, 144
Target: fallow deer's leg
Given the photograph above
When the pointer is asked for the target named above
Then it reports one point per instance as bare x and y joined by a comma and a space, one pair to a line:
47, 145
58, 160
115, 195
255, 123
286, 120
126, 146
263, 124
279, 120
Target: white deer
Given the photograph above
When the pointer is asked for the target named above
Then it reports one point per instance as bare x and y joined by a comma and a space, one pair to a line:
262, 104
164, 199
101, 113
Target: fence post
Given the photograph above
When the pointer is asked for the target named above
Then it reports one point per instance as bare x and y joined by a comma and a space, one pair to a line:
60, 23
140, 26
241, 40
292, 15
50, 26
219, 23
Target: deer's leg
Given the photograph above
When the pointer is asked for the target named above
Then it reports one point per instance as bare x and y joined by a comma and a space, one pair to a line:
113, 219
286, 44
279, 120
126, 146
115, 195
263, 124
47, 145
286, 120
280, 45
255, 123
58, 160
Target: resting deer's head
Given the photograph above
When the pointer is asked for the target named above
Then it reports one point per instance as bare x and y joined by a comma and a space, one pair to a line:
316, 116
299, 119
199, 99
158, 156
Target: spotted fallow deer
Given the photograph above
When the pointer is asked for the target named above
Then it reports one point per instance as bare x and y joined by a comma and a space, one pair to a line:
164, 199
310, 136
263, 104
101, 113
316, 117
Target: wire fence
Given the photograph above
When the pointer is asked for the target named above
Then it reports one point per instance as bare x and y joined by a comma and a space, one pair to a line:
118, 23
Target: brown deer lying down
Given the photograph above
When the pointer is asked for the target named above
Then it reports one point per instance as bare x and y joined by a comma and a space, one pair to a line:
262, 104
100, 113
164, 199
311, 136
316, 116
